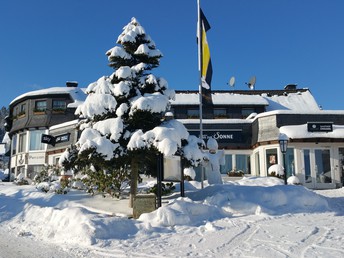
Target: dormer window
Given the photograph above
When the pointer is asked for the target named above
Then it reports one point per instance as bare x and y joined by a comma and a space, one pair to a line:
220, 113
40, 106
193, 113
59, 105
245, 112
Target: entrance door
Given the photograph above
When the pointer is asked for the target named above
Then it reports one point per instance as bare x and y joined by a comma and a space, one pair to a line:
317, 167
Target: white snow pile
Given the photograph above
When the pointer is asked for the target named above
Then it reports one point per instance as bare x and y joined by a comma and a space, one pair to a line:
259, 217
166, 138
3, 174
71, 217
219, 201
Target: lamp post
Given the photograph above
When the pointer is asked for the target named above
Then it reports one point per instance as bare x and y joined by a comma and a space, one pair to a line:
283, 142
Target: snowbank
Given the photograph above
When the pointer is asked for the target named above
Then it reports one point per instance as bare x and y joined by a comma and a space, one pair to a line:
91, 224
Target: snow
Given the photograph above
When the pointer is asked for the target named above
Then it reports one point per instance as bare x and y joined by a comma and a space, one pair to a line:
300, 101
101, 86
166, 138
3, 174
96, 104
277, 169
130, 32
121, 88
123, 72
117, 52
293, 101
111, 126
77, 94
64, 125
301, 132
252, 217
91, 138
220, 99
155, 103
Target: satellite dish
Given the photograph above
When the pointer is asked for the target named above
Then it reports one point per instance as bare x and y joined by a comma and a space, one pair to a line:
232, 81
251, 83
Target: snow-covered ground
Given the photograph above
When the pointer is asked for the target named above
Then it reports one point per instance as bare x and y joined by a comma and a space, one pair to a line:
252, 217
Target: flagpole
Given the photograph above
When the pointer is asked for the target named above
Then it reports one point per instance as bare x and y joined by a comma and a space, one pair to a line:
200, 69
199, 38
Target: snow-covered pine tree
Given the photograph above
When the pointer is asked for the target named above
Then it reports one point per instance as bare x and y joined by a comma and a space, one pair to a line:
124, 124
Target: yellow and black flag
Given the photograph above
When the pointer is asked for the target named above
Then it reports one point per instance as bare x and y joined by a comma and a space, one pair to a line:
205, 60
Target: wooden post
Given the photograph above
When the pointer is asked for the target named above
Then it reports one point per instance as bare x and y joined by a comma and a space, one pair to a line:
133, 181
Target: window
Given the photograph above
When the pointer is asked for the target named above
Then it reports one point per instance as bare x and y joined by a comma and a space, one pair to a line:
245, 112
193, 113
323, 165
289, 161
35, 140
341, 163
40, 106
14, 144
59, 105
307, 165
33, 170
271, 158
56, 161
257, 163
242, 163
21, 112
22, 142
220, 113
228, 166
22, 108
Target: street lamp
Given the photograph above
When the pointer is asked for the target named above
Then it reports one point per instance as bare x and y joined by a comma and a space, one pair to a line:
283, 142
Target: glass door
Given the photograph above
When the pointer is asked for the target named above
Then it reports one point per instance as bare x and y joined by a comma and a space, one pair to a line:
317, 167
307, 168
323, 166
341, 164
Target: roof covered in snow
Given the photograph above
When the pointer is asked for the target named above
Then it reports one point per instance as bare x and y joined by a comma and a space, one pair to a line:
300, 101
293, 100
301, 132
223, 98
77, 94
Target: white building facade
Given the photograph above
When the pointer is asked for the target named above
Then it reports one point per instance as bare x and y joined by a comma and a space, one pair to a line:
248, 124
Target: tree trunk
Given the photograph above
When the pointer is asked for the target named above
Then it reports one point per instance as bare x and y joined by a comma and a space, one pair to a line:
133, 181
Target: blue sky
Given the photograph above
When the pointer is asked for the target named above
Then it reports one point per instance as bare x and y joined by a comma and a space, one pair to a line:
46, 43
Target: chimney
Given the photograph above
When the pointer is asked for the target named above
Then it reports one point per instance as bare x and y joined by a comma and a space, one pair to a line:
71, 84
290, 87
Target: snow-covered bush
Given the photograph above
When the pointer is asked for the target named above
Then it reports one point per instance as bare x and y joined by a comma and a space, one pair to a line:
52, 187
22, 180
235, 173
189, 174
293, 180
166, 188
43, 186
111, 182
78, 184
48, 173
276, 170
59, 187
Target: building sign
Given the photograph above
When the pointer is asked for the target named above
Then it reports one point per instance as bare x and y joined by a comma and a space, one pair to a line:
319, 127
221, 136
36, 158
62, 138
52, 140
172, 169
48, 139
